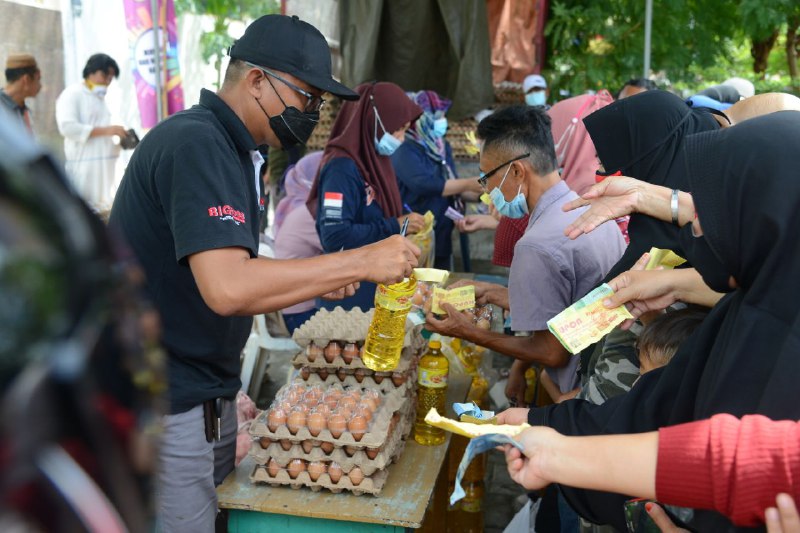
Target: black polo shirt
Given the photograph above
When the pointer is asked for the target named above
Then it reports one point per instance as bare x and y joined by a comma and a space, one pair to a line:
189, 187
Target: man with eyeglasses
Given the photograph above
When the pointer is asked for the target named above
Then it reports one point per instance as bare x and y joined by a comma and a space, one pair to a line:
549, 271
188, 206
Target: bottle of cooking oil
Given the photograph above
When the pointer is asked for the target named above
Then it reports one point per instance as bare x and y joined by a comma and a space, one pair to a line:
530, 386
384, 342
432, 381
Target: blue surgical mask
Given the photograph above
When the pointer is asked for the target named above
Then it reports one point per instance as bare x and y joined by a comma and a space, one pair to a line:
439, 127
388, 143
536, 98
516, 208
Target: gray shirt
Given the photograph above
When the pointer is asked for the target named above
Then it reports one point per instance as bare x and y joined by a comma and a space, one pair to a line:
550, 272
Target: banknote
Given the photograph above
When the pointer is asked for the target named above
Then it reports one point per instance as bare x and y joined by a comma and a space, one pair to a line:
587, 320
666, 259
477, 446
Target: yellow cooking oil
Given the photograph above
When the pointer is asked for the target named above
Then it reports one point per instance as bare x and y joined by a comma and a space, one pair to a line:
384, 342
432, 390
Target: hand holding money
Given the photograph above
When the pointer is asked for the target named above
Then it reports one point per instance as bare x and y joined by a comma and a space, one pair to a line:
528, 465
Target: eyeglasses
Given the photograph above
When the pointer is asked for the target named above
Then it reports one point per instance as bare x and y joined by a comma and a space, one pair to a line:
313, 104
484, 176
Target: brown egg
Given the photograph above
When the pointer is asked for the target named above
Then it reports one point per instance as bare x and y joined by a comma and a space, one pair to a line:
357, 426
313, 394
293, 396
347, 402
296, 420
331, 403
265, 442
350, 450
316, 422
307, 445
337, 423
484, 323
346, 412
275, 419
398, 378
341, 374
327, 447
332, 351
335, 472
324, 409
359, 374
295, 467
418, 299
273, 468
356, 476
349, 352
369, 402
378, 377
286, 444
363, 410
313, 351
316, 469
305, 372
372, 453
285, 406
323, 374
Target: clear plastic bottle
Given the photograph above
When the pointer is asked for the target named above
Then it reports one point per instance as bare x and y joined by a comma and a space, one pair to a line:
384, 342
432, 381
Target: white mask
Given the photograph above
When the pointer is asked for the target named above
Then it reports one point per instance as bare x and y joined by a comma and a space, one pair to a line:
100, 91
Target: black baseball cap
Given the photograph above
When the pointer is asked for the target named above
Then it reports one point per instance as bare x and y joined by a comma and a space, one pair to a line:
292, 46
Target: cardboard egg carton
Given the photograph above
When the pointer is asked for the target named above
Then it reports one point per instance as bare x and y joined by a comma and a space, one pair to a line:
408, 358
369, 485
375, 436
346, 326
344, 456
385, 382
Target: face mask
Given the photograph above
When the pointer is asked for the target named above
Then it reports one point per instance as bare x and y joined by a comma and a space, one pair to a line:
100, 90
516, 208
536, 98
388, 143
292, 126
703, 258
439, 127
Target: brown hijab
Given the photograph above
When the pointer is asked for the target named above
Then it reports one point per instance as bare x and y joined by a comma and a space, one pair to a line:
353, 135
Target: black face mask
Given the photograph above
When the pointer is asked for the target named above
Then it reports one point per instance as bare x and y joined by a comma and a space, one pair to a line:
703, 258
292, 126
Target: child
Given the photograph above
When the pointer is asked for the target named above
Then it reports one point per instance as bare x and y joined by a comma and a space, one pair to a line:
661, 338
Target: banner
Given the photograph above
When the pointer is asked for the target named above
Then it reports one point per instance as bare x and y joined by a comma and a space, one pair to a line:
139, 20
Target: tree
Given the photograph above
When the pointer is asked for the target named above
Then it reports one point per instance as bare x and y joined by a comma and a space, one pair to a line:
215, 43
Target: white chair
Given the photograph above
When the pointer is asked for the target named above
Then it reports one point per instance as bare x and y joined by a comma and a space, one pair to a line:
256, 355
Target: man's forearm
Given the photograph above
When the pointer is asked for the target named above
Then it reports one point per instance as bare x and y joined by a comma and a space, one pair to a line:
498, 296
522, 348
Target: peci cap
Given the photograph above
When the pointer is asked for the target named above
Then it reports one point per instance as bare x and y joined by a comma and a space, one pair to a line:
534, 81
14, 61
290, 45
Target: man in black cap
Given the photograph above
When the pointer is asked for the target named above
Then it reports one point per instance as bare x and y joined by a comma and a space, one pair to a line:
188, 205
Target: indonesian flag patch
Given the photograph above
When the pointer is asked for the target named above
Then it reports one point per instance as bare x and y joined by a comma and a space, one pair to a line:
333, 199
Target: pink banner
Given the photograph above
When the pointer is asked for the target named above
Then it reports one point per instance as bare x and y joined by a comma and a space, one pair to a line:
139, 19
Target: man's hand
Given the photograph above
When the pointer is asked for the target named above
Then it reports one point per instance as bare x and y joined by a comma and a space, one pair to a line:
529, 468
612, 198
390, 260
415, 222
454, 324
483, 290
515, 388
344, 292
513, 416
473, 223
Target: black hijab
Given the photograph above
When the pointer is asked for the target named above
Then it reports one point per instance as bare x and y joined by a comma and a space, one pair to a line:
641, 137
744, 358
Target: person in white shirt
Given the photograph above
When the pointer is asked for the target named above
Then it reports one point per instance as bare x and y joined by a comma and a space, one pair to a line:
85, 122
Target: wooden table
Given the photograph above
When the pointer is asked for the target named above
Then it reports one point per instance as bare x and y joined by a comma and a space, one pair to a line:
401, 504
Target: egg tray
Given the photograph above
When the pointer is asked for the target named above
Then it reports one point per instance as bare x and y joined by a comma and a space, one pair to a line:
391, 450
408, 359
386, 385
375, 437
346, 326
369, 485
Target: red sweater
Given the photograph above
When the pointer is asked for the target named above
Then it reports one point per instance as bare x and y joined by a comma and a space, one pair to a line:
735, 467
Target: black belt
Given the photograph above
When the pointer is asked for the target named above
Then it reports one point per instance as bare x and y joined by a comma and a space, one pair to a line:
212, 415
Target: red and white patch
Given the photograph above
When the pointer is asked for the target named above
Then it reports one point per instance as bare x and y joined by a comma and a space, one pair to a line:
226, 212
333, 199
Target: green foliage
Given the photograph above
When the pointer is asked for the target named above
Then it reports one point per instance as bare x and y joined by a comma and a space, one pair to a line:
214, 44
695, 43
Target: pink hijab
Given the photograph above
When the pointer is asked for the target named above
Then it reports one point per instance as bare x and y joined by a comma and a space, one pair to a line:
298, 182
577, 157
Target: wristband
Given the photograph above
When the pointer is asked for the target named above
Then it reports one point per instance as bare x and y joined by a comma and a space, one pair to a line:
673, 205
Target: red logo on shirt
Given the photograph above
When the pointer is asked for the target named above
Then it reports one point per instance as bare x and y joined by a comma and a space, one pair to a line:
226, 212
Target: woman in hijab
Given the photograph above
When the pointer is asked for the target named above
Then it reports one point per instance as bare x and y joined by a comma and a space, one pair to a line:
641, 137
426, 172
743, 358
355, 198
295, 232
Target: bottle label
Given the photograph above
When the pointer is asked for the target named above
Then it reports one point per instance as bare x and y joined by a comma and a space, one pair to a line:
435, 378
384, 299
471, 506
